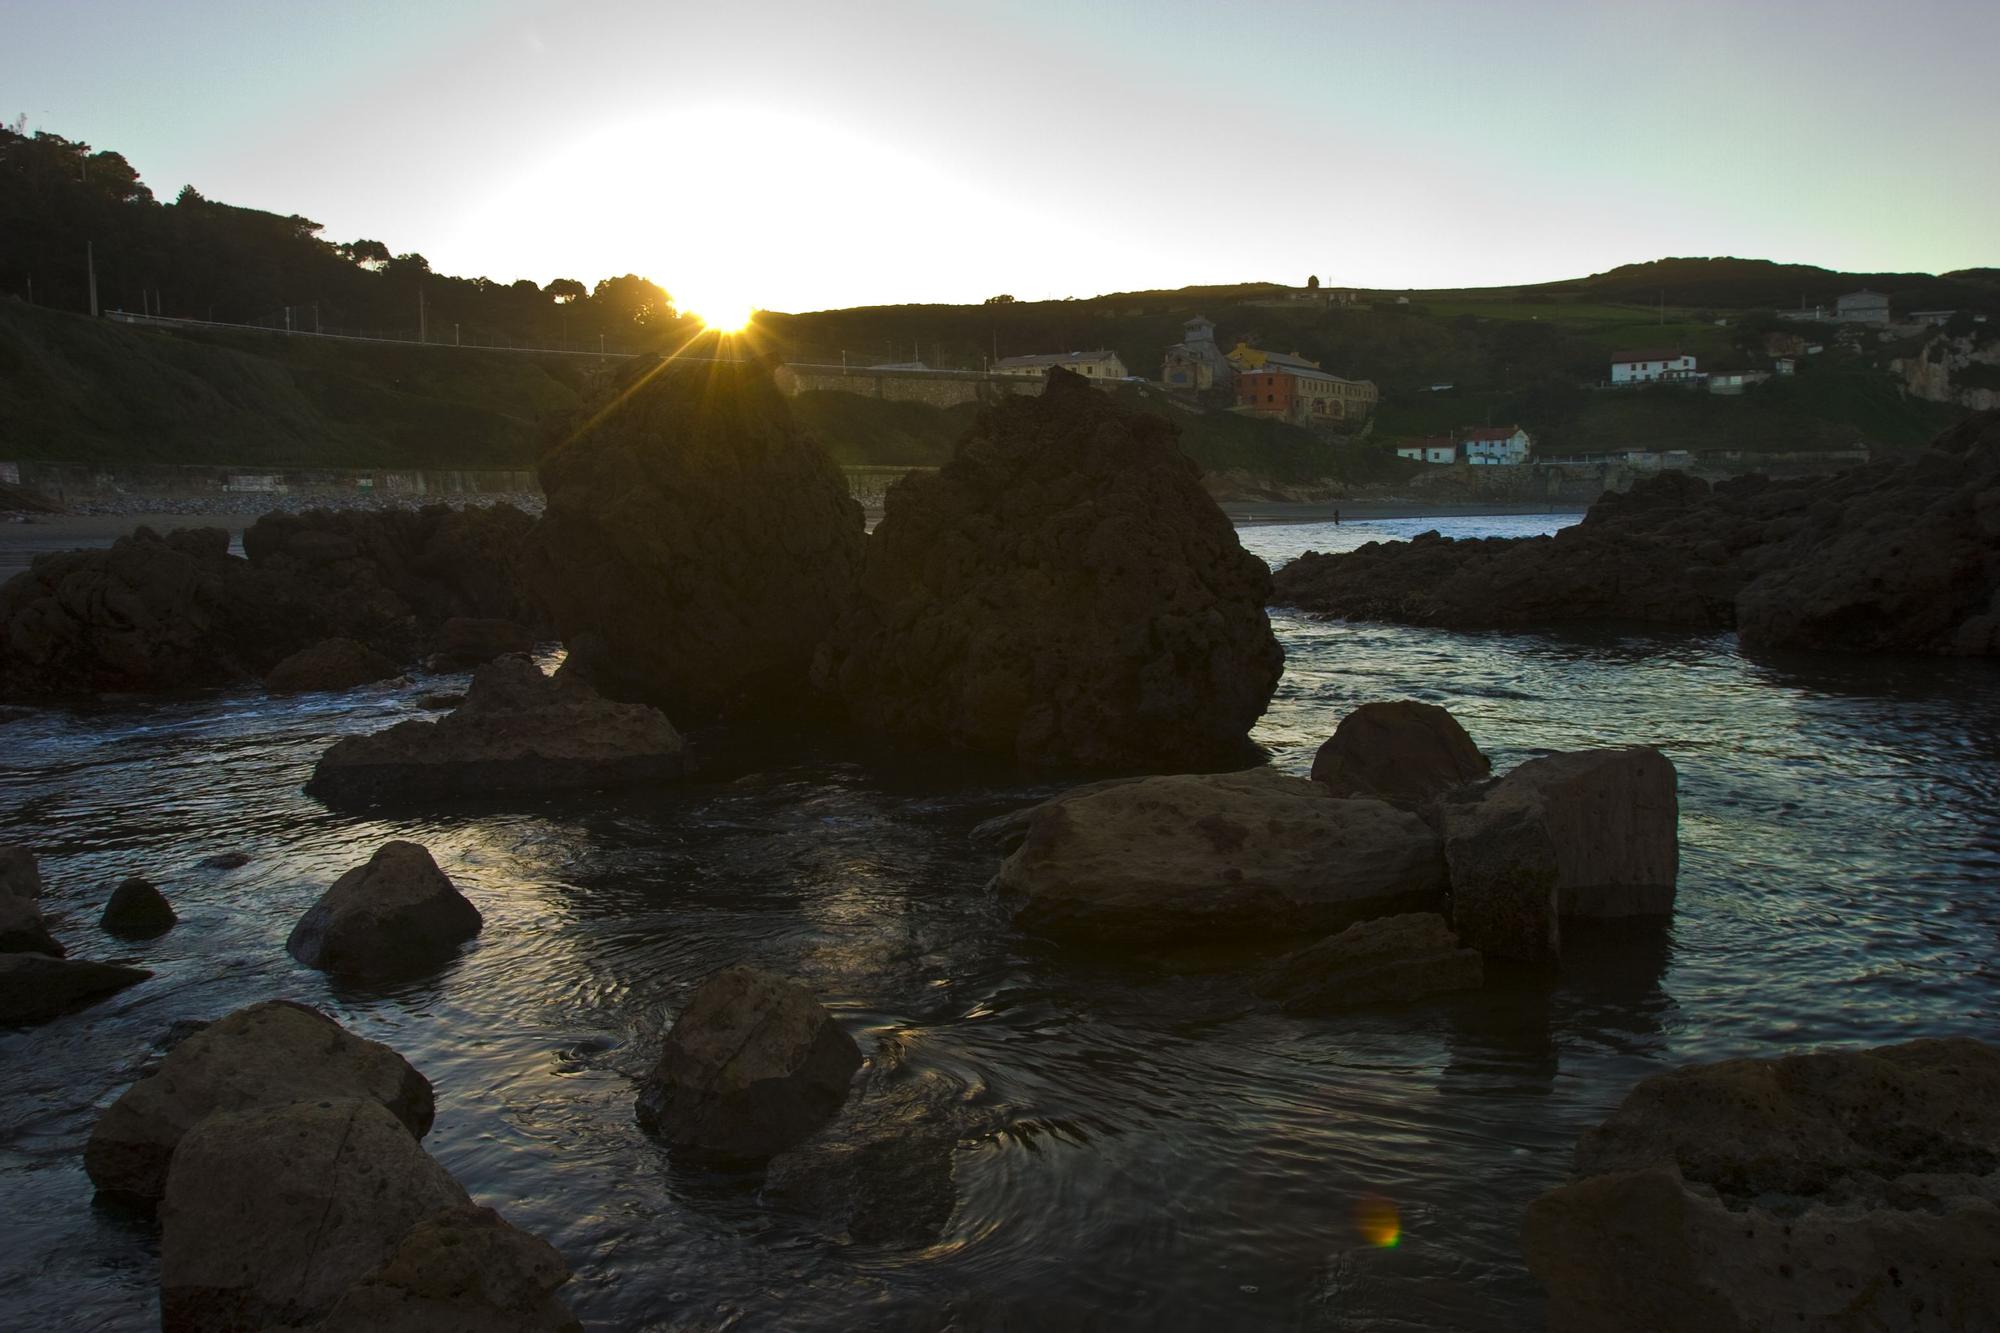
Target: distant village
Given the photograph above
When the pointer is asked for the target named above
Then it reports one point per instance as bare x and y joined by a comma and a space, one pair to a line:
1282, 386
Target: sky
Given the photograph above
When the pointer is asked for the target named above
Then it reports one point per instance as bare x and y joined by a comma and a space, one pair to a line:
799, 155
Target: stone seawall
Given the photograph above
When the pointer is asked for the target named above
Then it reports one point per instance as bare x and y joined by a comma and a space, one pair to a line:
939, 388
85, 482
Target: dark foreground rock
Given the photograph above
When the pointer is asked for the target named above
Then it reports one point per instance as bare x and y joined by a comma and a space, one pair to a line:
1594, 833
267, 1054
22, 929
1403, 752
517, 730
396, 916
330, 664
1853, 1189
20, 873
1391, 960
1897, 556
35, 988
271, 1214
137, 911
462, 1270
697, 543
1199, 858
1064, 593
464, 642
753, 1065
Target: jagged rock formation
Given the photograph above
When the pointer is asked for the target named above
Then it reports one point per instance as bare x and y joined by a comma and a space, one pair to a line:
1851, 1189
697, 543
1063, 592
1892, 557
516, 730
1194, 858
154, 613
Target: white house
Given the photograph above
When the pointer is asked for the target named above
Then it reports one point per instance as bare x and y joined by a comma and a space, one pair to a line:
1646, 367
1432, 449
1497, 444
1862, 307
1103, 365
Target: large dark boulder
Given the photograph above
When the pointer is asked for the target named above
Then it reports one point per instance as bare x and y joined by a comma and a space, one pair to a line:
271, 1214
268, 1054
1194, 858
752, 1066
1403, 752
137, 911
1064, 593
395, 916
1897, 556
697, 543
1590, 833
517, 730
331, 664
1840, 1189
36, 987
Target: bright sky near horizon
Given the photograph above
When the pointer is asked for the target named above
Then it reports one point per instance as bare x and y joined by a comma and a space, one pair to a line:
802, 155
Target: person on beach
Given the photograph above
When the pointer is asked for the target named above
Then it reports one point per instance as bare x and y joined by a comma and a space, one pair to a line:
1336, 518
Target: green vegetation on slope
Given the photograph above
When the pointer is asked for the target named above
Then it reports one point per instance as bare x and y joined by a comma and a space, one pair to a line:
77, 390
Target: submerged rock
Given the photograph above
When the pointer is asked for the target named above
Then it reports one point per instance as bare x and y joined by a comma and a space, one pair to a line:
331, 664
1209, 857
697, 543
267, 1054
35, 987
1592, 833
461, 1270
1063, 592
1403, 752
271, 1214
1389, 960
395, 916
517, 730
225, 861
753, 1065
137, 911
1837, 1189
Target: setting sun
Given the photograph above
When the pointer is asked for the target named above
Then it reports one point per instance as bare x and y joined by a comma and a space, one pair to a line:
723, 316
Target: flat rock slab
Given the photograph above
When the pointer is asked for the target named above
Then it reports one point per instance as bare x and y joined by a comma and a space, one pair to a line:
35, 988
1850, 1189
753, 1065
267, 1054
396, 916
1393, 959
517, 730
1208, 857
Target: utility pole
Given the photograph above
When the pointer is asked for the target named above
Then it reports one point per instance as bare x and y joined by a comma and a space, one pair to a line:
420, 313
454, 334
90, 263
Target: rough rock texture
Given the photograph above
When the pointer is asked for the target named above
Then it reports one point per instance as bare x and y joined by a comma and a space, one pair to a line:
464, 642
330, 664
1007, 832
391, 578
1206, 857
138, 911
35, 988
880, 1172
697, 543
1403, 752
1853, 1189
395, 916
1063, 592
517, 730
462, 1270
753, 1065
273, 1213
1389, 960
1594, 833
20, 874
152, 614
1899, 556
22, 929
267, 1054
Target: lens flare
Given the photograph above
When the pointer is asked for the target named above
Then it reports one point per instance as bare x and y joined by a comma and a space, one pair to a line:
1375, 1218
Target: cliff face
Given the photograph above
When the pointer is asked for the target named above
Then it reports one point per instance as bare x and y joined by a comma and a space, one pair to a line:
1938, 373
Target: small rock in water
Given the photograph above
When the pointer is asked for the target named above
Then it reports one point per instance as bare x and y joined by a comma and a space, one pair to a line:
137, 911
1403, 752
753, 1065
225, 860
20, 876
35, 988
1388, 960
395, 916
442, 702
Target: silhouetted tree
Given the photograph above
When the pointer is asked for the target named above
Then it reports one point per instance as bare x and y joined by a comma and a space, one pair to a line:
1312, 282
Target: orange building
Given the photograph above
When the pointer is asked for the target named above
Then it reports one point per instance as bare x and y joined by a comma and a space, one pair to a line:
1291, 388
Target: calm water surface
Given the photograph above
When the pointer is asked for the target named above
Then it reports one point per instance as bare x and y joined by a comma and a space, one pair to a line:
1146, 1151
